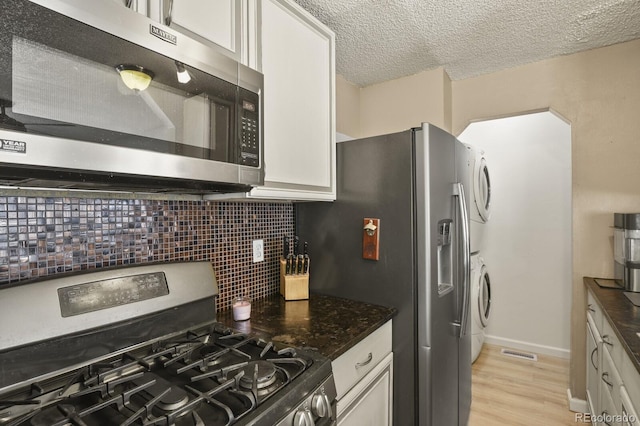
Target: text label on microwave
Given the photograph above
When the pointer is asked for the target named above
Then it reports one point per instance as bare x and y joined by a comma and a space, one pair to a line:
162, 34
13, 146
248, 106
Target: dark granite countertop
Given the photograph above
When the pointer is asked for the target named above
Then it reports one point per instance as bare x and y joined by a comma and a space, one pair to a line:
329, 324
623, 316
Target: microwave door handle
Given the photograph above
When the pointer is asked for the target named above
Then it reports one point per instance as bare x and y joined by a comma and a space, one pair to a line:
458, 191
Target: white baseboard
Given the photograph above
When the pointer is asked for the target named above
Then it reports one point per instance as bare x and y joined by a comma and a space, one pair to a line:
526, 346
577, 405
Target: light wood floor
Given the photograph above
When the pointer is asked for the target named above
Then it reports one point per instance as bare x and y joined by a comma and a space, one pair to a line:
512, 391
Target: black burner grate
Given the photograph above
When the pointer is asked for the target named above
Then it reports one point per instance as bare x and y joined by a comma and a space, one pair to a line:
211, 376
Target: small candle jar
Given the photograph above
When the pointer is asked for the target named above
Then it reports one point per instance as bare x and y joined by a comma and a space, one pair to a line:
241, 308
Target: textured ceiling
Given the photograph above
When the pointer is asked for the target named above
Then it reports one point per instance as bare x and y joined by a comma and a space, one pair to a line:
379, 40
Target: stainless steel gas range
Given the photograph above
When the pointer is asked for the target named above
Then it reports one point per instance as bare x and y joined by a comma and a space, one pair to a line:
140, 345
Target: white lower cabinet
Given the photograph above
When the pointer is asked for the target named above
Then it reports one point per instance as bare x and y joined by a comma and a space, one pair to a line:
613, 381
593, 362
610, 384
364, 381
370, 401
629, 414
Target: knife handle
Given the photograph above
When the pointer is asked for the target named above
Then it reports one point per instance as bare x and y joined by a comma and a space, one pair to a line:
305, 268
287, 268
300, 264
294, 261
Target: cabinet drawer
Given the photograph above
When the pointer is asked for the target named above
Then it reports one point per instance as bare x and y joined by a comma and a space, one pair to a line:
611, 343
354, 364
610, 378
631, 380
628, 409
593, 362
608, 412
370, 401
594, 310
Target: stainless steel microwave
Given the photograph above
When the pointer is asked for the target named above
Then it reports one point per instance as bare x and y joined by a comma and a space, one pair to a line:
95, 95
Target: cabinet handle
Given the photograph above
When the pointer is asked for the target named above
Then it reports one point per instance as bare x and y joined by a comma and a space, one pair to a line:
594, 351
167, 19
590, 308
363, 363
605, 415
605, 341
605, 376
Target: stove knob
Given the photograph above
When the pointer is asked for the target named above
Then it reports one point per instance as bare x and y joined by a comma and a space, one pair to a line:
321, 406
303, 418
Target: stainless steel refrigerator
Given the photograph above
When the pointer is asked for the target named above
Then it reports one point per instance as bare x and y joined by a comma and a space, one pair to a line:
414, 182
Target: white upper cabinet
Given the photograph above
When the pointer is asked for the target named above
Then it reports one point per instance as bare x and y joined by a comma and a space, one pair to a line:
220, 23
298, 63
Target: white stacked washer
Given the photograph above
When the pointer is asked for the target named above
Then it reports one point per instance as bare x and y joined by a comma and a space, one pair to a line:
480, 303
480, 211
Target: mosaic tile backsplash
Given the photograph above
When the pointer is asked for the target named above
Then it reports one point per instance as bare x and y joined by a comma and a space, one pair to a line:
45, 236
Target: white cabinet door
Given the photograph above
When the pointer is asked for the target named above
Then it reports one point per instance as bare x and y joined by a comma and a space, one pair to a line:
216, 21
593, 366
140, 6
221, 24
297, 54
370, 402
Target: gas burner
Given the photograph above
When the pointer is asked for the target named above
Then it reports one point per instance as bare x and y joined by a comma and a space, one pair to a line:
209, 354
174, 399
262, 373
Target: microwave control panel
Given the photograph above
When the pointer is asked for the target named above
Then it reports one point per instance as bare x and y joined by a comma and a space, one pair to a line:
249, 152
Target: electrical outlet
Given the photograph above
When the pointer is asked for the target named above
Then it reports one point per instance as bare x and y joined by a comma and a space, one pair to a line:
258, 251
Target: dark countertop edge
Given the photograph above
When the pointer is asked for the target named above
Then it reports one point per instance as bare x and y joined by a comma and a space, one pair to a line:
359, 338
610, 301
339, 344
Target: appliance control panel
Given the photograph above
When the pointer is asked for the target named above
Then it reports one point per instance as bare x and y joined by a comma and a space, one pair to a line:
249, 152
104, 294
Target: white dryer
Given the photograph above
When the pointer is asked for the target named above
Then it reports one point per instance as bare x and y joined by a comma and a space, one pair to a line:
480, 303
480, 195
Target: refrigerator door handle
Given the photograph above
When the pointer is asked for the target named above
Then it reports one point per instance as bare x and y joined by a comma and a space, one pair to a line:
458, 191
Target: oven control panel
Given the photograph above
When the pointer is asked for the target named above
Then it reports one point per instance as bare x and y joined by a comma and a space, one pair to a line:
104, 294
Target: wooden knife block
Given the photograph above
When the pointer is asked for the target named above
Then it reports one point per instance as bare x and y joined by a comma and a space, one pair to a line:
293, 287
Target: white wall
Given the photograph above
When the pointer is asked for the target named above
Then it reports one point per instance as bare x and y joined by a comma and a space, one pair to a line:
527, 247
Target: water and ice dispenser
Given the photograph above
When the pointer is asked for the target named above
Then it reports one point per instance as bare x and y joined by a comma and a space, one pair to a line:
626, 250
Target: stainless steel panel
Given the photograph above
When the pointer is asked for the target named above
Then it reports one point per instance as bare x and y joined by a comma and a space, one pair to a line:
437, 314
44, 151
374, 179
464, 342
29, 304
